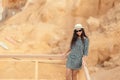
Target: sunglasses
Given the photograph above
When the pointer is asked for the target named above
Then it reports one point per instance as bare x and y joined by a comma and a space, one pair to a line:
78, 30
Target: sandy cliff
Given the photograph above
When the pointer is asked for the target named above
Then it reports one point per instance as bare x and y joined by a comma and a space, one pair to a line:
46, 27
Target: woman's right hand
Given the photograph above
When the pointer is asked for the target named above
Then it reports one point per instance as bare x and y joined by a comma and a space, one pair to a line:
64, 55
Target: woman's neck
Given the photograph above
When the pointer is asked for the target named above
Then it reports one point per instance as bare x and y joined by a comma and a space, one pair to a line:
79, 37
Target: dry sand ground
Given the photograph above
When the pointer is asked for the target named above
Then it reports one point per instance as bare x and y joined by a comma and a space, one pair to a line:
112, 74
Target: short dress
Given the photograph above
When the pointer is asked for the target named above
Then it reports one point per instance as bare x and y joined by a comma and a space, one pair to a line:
74, 59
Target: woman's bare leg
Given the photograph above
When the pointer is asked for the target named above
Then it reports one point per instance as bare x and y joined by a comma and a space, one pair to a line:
68, 74
74, 74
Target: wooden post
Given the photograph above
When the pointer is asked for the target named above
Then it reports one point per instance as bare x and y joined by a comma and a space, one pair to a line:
86, 72
1, 10
36, 70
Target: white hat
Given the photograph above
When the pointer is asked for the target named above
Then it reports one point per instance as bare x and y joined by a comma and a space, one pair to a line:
77, 26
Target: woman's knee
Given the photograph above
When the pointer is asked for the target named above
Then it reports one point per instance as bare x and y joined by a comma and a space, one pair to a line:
75, 72
68, 72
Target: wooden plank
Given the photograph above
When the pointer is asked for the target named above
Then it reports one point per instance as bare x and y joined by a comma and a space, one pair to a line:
45, 56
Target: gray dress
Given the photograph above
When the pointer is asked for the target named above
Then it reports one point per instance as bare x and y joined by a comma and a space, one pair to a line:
74, 59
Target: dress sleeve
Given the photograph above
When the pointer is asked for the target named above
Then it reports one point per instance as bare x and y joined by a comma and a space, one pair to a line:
86, 45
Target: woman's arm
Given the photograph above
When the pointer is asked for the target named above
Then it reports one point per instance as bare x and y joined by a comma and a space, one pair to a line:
86, 46
66, 53
85, 51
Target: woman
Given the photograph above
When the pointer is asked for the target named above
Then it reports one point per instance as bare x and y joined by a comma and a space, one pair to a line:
78, 52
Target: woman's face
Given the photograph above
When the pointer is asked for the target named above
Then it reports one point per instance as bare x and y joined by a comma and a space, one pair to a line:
78, 32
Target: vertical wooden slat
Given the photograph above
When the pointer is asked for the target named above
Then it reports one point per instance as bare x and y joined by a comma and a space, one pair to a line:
36, 70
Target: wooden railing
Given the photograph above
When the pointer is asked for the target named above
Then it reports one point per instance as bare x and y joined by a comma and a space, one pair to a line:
44, 58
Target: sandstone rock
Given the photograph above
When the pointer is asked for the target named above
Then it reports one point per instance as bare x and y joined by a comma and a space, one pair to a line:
13, 3
112, 74
93, 24
105, 5
93, 69
64, 14
107, 64
86, 8
46, 27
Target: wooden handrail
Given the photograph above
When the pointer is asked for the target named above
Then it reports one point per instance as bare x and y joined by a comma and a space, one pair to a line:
43, 58
51, 58
40, 56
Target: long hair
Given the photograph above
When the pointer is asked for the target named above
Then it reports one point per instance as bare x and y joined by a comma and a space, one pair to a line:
75, 37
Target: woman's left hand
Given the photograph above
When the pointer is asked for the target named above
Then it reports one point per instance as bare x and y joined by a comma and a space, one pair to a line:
84, 60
